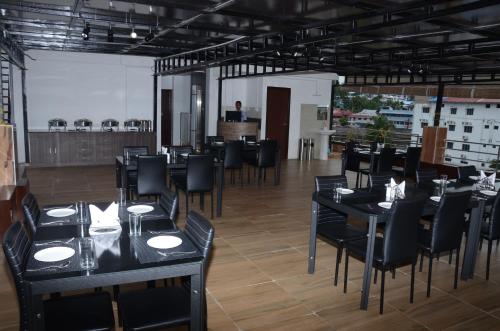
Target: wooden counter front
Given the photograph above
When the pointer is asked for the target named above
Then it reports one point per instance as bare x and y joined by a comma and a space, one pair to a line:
234, 130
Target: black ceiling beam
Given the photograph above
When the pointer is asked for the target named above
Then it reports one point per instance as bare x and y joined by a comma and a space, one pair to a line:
12, 49
77, 6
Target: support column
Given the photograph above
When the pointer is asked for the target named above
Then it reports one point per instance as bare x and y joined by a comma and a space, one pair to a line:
25, 117
332, 103
219, 105
439, 103
155, 103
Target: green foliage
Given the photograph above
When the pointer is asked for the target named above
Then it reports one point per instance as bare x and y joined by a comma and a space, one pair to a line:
343, 121
494, 165
380, 131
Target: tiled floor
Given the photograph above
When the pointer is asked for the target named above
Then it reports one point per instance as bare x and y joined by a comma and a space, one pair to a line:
257, 278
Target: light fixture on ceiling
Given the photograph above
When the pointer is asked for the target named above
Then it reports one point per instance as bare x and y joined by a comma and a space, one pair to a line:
86, 32
133, 34
3, 11
150, 35
111, 34
277, 52
297, 54
111, 5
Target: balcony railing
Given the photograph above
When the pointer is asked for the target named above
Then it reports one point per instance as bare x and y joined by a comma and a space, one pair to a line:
398, 138
467, 156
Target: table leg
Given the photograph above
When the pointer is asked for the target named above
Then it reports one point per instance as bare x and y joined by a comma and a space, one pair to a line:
472, 243
367, 275
35, 310
197, 297
372, 163
220, 175
344, 157
312, 237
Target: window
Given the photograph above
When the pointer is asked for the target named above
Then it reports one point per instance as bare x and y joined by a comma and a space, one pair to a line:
464, 162
484, 145
447, 159
424, 124
453, 111
468, 129
495, 127
488, 105
486, 126
451, 127
465, 147
498, 105
470, 111
426, 110
449, 145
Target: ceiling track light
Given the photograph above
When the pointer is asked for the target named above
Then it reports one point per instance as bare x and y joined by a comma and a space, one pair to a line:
133, 34
86, 32
111, 34
150, 36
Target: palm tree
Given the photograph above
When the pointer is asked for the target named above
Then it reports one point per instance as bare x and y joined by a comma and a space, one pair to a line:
380, 130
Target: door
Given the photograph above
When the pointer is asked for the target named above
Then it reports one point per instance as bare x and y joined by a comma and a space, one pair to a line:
278, 117
166, 117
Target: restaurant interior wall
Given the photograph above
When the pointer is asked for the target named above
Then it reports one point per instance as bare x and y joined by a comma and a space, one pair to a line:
181, 101
83, 85
17, 119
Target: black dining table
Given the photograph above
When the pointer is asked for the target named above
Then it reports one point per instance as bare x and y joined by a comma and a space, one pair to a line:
372, 157
122, 168
362, 205
120, 259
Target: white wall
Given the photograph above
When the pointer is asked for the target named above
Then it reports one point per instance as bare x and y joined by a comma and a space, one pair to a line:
17, 97
181, 100
84, 85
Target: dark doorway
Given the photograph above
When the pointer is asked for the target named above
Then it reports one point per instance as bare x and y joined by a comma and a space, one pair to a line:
278, 117
166, 117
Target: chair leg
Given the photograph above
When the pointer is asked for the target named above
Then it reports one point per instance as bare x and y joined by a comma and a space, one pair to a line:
212, 203
265, 171
429, 276
480, 244
382, 286
248, 173
450, 258
375, 276
394, 273
346, 268
488, 258
421, 261
455, 281
202, 201
412, 281
241, 176
337, 262
187, 202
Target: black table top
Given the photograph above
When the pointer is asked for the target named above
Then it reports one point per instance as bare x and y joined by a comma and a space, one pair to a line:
114, 252
178, 163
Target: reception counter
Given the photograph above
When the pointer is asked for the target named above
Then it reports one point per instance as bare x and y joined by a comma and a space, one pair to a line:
69, 148
234, 130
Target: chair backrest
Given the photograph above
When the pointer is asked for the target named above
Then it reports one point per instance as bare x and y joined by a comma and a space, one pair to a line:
233, 154
181, 149
425, 177
31, 213
373, 146
249, 138
267, 153
379, 180
134, 151
494, 224
200, 173
466, 171
213, 139
16, 247
386, 159
412, 161
449, 221
151, 174
325, 184
350, 145
169, 201
200, 231
352, 160
401, 231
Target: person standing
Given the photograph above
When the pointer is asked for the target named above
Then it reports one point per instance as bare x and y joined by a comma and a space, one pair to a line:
237, 105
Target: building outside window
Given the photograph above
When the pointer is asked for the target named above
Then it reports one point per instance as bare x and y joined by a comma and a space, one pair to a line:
449, 145
465, 147
426, 110
470, 111
424, 124
453, 111
486, 126
451, 127
488, 105
468, 128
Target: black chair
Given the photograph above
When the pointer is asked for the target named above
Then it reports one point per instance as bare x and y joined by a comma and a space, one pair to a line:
213, 139
233, 158
491, 231
265, 158
249, 139
151, 174
378, 181
198, 179
31, 213
169, 201
446, 232
158, 308
332, 225
352, 162
385, 160
92, 311
411, 163
425, 176
131, 153
466, 171
397, 248
175, 151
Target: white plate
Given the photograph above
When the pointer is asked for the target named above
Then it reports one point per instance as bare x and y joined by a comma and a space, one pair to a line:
438, 181
400, 151
488, 192
140, 209
54, 254
61, 212
164, 242
184, 154
386, 205
436, 198
344, 191
364, 152
251, 142
218, 143
474, 177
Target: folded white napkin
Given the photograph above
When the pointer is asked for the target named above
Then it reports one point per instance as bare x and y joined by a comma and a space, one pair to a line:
491, 178
107, 219
395, 187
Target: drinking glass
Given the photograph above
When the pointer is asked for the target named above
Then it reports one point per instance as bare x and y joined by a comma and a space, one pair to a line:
444, 178
86, 250
81, 211
122, 196
134, 222
337, 196
442, 187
